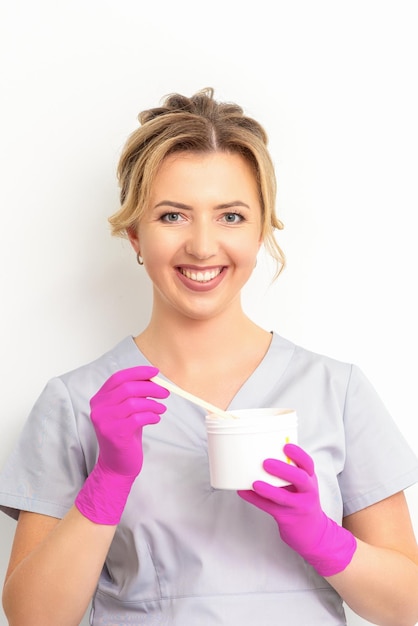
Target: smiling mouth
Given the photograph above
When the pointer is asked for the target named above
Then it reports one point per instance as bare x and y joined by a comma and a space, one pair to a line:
200, 276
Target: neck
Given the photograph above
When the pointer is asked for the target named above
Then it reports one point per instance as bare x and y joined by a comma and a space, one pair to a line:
180, 343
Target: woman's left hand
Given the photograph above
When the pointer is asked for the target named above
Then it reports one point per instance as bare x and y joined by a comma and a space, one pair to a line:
302, 523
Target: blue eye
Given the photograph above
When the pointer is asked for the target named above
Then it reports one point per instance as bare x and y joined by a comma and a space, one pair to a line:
170, 217
233, 218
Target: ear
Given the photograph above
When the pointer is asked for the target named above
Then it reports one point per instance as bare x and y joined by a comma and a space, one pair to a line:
133, 238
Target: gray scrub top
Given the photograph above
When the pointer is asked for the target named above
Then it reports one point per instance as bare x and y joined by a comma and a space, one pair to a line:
185, 554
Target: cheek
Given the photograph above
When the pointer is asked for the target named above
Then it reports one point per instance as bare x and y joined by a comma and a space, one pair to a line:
154, 247
249, 248
159, 254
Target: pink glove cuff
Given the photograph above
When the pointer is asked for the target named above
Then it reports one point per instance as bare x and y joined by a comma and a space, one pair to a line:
103, 496
337, 549
302, 523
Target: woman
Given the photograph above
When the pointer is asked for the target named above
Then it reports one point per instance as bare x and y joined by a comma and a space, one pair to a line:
125, 514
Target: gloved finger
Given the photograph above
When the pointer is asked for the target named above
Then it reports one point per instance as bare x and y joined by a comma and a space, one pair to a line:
127, 428
140, 372
145, 388
144, 419
129, 389
257, 500
135, 422
282, 496
125, 409
294, 475
300, 457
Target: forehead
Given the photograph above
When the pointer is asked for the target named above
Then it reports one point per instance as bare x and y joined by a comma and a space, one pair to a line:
212, 173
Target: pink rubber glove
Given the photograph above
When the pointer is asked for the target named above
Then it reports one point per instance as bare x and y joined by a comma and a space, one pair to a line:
296, 508
119, 410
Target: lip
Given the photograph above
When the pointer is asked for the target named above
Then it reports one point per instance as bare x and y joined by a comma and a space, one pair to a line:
200, 268
194, 285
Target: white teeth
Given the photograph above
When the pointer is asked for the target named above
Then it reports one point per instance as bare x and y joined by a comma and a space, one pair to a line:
200, 277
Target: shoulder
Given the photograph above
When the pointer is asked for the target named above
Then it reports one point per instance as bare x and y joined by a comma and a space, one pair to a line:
76, 386
123, 355
311, 363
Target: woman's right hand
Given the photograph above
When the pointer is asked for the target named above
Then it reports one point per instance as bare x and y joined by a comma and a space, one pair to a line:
119, 411
55, 564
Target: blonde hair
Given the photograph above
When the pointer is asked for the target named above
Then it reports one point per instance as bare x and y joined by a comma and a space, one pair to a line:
197, 124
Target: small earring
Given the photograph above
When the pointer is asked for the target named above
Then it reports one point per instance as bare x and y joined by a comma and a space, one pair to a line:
139, 259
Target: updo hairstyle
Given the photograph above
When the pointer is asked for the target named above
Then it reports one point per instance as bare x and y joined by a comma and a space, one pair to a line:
198, 124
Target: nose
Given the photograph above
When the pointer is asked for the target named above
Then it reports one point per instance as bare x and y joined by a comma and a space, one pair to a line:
202, 241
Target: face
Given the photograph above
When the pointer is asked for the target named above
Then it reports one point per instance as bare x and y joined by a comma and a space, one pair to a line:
200, 235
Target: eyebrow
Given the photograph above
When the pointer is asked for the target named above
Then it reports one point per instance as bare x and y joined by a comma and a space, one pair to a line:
186, 207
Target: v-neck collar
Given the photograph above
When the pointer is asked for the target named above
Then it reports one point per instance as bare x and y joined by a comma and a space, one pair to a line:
266, 375
255, 389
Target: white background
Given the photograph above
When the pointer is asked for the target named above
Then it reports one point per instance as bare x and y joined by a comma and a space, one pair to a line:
335, 85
